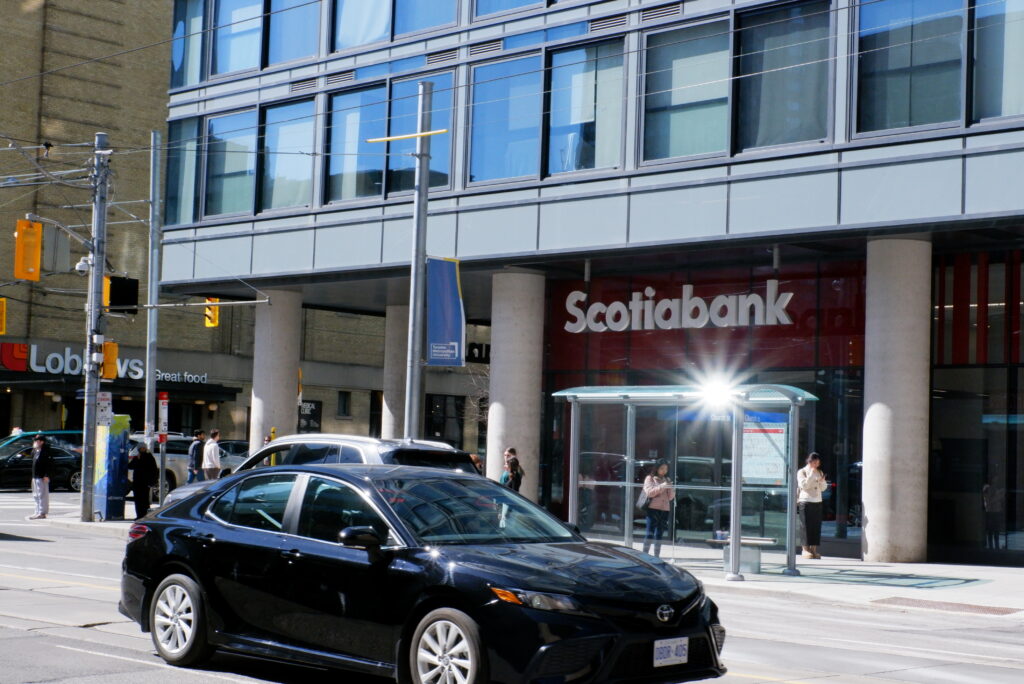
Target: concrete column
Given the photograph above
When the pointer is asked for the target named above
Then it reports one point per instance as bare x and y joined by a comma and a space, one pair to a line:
275, 366
517, 346
897, 363
396, 346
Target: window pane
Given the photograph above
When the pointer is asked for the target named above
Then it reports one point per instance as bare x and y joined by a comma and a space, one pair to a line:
236, 43
417, 15
262, 501
187, 48
182, 165
330, 507
506, 119
909, 63
287, 155
999, 59
294, 30
585, 124
686, 105
492, 6
358, 22
356, 167
230, 163
784, 67
404, 109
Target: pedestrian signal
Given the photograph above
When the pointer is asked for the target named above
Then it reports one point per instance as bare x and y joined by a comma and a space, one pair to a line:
212, 313
108, 368
28, 250
121, 295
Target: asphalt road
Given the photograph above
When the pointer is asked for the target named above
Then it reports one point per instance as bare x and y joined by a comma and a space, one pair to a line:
59, 623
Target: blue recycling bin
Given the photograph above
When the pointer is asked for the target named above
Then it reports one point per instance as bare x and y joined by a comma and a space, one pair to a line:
110, 481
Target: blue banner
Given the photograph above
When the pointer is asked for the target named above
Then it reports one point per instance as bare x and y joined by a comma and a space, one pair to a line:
446, 319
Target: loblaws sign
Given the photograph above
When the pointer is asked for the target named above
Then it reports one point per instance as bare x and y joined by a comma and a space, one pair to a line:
643, 312
28, 357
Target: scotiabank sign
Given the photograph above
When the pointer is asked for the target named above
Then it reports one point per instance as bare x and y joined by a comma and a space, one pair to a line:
643, 311
30, 358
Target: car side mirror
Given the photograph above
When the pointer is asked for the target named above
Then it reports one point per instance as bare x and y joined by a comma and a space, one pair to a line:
360, 537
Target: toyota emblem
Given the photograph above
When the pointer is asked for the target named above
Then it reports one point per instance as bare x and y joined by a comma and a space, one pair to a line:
665, 612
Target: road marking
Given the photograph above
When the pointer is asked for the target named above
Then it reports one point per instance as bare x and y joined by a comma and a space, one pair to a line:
60, 581
762, 678
18, 552
165, 666
59, 572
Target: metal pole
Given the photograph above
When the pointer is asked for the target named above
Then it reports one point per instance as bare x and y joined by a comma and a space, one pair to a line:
631, 492
794, 465
95, 324
414, 361
572, 485
152, 299
736, 509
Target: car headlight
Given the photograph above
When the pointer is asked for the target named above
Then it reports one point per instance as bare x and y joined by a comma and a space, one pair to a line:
538, 600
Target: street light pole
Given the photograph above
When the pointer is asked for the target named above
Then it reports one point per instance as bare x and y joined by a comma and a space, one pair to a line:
152, 299
95, 323
417, 289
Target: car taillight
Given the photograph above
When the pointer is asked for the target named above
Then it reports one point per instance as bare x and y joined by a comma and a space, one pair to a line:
137, 531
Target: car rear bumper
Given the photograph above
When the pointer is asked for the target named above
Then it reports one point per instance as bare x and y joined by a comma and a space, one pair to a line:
133, 599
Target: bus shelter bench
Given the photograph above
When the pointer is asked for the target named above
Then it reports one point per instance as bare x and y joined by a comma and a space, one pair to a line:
750, 551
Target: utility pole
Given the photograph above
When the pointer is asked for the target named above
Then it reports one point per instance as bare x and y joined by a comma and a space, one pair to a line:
95, 325
152, 299
417, 289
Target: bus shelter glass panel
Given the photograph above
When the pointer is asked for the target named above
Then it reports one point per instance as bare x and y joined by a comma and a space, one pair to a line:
602, 470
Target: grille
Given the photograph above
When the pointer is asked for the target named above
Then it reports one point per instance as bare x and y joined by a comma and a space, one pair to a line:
439, 57
656, 13
569, 657
343, 77
484, 48
633, 617
609, 22
302, 86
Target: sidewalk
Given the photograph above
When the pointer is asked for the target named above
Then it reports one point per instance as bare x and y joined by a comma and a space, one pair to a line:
978, 589
72, 520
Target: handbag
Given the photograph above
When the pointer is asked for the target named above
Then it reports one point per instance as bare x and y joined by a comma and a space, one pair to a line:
643, 501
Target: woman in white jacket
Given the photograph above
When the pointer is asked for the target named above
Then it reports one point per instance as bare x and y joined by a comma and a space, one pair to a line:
810, 482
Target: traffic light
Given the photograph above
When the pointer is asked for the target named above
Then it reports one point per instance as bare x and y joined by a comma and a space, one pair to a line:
3, 315
108, 369
121, 295
212, 313
28, 250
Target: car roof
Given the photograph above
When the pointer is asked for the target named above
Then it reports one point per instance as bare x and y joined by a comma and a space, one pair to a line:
359, 439
358, 472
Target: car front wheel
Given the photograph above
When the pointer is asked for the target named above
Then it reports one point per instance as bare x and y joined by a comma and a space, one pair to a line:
446, 649
178, 621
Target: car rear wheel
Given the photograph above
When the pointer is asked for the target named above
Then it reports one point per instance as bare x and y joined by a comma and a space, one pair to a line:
446, 650
75, 481
177, 619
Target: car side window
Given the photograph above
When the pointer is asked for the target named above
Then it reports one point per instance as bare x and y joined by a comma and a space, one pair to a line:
350, 455
224, 505
328, 507
261, 502
273, 457
301, 454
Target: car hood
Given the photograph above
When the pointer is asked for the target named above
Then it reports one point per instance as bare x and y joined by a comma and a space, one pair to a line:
584, 569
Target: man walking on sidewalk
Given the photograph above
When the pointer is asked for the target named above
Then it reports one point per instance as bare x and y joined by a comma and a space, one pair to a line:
42, 463
211, 456
195, 457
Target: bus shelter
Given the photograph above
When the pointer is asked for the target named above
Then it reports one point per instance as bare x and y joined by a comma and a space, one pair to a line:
732, 454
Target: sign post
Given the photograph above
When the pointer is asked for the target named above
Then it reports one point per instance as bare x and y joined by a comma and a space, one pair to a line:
162, 438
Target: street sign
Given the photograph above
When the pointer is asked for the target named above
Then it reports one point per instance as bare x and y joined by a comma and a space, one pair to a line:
104, 408
162, 417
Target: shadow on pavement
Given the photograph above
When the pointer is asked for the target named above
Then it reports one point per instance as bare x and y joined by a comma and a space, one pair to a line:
17, 537
828, 575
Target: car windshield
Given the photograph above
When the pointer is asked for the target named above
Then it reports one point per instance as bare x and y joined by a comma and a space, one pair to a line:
469, 510
449, 460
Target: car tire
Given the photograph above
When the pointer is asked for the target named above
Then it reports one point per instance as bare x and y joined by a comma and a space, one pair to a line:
75, 481
177, 621
446, 647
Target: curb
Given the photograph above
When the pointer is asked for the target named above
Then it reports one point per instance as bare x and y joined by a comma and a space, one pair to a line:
113, 528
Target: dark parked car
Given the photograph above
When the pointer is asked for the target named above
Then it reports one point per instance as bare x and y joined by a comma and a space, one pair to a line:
421, 574
69, 440
16, 469
329, 448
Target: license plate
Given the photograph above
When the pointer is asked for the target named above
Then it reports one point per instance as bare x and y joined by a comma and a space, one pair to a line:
671, 651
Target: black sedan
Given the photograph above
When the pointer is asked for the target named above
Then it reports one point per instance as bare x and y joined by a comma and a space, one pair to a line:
419, 574
66, 472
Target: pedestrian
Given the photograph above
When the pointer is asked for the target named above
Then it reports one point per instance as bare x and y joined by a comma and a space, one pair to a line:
211, 456
510, 452
144, 475
266, 440
513, 475
195, 456
42, 464
810, 482
15, 431
477, 463
658, 488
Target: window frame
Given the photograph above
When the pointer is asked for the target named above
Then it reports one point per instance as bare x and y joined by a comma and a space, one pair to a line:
288, 520
204, 165
452, 24
962, 123
261, 161
387, 83
304, 481
475, 16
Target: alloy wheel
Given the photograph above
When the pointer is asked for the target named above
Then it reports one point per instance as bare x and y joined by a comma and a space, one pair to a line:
75, 481
443, 654
174, 619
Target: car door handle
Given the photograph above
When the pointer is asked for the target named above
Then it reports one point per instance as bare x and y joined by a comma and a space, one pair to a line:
292, 554
203, 537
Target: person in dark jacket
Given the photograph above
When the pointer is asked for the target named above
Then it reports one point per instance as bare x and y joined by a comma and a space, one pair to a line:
42, 465
195, 456
144, 476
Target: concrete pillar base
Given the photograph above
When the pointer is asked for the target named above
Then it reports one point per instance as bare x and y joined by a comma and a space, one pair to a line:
275, 366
